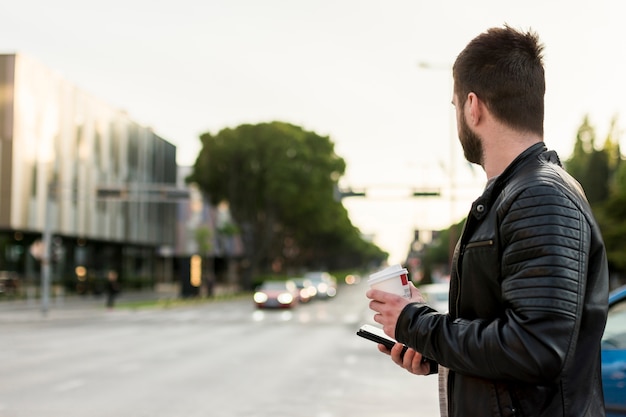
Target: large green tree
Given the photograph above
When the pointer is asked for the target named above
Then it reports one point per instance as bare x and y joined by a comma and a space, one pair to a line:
279, 181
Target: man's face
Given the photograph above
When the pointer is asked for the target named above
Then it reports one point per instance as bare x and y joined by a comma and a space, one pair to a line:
470, 142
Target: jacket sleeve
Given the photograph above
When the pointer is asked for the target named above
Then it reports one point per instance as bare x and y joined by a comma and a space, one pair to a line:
545, 241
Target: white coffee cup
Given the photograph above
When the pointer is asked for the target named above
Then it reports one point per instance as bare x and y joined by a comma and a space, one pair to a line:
393, 279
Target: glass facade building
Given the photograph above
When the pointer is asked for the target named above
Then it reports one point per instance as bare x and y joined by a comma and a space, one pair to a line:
97, 179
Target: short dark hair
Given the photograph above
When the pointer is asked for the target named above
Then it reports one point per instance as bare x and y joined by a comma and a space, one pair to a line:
504, 68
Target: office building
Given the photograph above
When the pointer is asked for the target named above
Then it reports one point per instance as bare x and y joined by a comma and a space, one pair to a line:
100, 183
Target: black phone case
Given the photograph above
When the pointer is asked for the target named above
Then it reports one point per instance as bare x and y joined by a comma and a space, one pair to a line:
376, 338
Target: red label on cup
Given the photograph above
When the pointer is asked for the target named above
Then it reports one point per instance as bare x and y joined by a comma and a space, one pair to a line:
405, 280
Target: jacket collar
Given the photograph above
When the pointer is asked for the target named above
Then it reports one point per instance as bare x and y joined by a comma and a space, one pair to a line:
480, 207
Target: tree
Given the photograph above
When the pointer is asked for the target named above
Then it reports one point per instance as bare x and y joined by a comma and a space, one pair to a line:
588, 164
436, 254
279, 182
603, 177
578, 162
611, 216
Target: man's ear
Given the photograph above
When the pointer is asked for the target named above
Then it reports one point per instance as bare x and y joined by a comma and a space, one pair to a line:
475, 109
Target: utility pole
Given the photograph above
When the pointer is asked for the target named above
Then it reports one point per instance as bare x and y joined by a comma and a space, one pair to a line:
45, 256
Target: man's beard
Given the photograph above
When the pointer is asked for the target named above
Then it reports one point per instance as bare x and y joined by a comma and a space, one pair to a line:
471, 143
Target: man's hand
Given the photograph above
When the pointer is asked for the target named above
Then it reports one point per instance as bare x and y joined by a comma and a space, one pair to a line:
412, 360
389, 306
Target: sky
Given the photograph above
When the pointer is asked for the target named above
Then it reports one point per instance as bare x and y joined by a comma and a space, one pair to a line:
373, 75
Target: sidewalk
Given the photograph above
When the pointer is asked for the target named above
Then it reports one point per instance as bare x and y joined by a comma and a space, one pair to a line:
71, 306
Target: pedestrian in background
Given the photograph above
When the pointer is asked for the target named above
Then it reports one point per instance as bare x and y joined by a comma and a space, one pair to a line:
529, 276
112, 288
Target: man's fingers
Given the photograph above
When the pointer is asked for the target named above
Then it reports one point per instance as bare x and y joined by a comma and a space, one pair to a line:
384, 349
398, 355
380, 296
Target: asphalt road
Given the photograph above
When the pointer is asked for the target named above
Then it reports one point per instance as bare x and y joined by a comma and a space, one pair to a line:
213, 359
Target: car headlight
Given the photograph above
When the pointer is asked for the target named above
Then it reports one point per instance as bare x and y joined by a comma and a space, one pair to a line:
285, 298
322, 288
260, 297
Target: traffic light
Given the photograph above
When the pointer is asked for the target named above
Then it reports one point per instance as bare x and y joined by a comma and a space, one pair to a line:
426, 193
352, 193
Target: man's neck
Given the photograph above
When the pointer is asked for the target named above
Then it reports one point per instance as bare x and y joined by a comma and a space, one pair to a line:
500, 152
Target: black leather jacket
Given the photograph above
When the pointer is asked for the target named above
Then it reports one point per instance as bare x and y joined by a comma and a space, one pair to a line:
528, 300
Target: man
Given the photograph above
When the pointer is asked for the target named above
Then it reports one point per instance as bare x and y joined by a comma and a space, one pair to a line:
529, 276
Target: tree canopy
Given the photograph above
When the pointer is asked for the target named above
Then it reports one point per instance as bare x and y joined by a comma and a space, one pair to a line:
279, 181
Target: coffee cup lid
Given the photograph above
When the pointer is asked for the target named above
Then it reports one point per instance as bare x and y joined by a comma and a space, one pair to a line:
392, 271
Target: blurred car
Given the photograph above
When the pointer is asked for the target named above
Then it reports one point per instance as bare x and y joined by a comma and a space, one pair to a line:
276, 294
614, 355
436, 295
306, 289
325, 283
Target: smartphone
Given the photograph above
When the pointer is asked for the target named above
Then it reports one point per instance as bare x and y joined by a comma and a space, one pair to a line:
376, 334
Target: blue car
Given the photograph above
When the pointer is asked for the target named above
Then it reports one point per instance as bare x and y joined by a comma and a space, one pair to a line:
614, 355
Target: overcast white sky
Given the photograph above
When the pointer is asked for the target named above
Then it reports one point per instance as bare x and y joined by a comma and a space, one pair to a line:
343, 68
